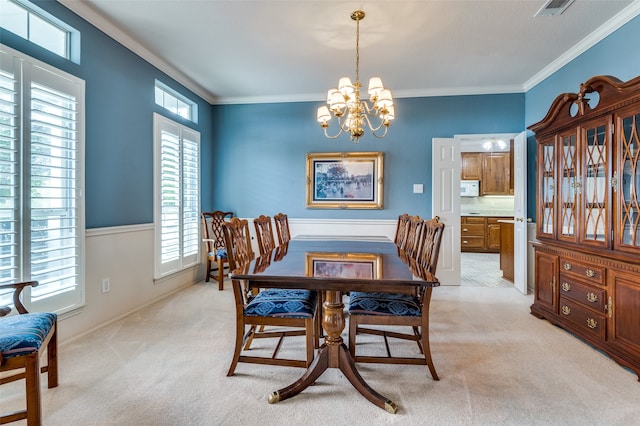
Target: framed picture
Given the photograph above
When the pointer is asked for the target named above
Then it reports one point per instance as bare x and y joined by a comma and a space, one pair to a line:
344, 265
345, 180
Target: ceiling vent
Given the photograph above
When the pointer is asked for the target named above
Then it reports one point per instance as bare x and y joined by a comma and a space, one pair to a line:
554, 7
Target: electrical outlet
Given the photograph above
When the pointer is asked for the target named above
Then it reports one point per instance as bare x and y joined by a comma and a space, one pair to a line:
106, 285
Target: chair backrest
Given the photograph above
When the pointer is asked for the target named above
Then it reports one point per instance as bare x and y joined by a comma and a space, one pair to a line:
401, 229
238, 242
414, 236
212, 226
431, 239
239, 254
264, 232
282, 228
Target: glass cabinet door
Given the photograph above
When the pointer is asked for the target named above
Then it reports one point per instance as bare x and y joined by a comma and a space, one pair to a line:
627, 183
594, 186
567, 192
546, 184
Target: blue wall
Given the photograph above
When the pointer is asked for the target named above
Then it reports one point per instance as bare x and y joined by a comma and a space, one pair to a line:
253, 159
119, 121
261, 151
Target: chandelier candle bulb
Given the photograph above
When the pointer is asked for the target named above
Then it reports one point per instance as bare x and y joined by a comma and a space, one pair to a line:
354, 114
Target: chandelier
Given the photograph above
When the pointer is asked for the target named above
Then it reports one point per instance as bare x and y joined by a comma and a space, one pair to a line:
353, 113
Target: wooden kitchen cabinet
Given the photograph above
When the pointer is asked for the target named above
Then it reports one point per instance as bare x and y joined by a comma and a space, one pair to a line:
587, 257
496, 174
471, 166
479, 234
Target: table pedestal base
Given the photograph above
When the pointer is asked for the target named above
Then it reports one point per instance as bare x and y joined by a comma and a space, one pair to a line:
333, 354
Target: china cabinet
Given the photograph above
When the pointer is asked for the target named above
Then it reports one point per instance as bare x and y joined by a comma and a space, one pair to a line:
587, 257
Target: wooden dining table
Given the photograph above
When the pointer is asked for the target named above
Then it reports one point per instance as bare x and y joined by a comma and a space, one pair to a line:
335, 265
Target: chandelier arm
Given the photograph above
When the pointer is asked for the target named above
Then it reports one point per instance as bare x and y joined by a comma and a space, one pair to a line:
327, 135
373, 129
373, 132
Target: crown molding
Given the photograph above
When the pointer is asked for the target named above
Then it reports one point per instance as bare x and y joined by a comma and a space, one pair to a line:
89, 14
609, 27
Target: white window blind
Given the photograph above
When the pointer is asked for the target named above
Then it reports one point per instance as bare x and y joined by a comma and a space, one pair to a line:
177, 196
41, 183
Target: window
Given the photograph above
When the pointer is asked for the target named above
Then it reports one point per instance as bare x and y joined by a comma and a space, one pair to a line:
176, 196
34, 24
176, 103
41, 182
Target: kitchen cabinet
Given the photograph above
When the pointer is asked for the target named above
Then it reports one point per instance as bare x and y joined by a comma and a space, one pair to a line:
492, 169
471, 166
496, 174
507, 249
587, 258
480, 234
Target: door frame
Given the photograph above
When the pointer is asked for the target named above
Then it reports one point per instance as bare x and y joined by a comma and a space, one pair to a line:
449, 265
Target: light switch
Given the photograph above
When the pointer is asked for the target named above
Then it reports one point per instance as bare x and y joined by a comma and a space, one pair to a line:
417, 188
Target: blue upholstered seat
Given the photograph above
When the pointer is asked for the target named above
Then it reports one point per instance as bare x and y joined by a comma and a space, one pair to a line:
283, 303
24, 334
393, 304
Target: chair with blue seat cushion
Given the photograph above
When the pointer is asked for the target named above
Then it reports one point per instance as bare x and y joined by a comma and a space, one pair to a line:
292, 311
214, 238
398, 309
23, 340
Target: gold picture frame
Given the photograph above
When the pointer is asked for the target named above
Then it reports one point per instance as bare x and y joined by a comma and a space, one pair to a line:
345, 180
344, 265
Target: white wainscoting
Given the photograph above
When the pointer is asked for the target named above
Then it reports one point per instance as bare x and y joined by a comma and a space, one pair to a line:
343, 227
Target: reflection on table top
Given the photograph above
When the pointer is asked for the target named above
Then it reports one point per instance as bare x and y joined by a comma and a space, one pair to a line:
337, 264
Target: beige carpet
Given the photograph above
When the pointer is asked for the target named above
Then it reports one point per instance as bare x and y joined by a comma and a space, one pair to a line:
166, 365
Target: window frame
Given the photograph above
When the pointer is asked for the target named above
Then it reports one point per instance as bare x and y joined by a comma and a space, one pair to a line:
166, 91
189, 228
28, 73
71, 35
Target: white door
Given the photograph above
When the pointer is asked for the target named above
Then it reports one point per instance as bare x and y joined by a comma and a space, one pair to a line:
445, 190
520, 212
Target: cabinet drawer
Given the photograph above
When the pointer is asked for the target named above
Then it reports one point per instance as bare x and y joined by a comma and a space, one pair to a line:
589, 273
587, 320
591, 297
476, 219
472, 242
472, 230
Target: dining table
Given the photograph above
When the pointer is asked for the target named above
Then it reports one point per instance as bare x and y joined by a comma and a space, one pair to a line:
335, 265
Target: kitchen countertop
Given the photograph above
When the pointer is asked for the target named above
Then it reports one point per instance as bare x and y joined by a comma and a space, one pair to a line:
495, 213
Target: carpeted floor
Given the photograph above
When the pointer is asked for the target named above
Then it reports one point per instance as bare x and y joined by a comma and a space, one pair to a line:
166, 365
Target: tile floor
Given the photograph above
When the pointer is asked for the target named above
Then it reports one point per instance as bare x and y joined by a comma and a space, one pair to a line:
482, 270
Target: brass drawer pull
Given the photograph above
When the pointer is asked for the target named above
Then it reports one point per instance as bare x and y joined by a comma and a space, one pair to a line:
592, 297
567, 266
566, 287
566, 310
590, 273
465, 242
464, 229
591, 323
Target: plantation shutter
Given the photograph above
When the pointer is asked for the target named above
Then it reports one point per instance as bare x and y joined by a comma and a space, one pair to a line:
41, 204
177, 196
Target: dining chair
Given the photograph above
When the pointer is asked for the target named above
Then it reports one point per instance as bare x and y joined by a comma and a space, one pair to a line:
214, 238
264, 233
292, 311
282, 228
401, 229
23, 340
398, 309
413, 238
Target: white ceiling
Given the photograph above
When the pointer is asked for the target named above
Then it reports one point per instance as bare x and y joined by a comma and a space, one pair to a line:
234, 51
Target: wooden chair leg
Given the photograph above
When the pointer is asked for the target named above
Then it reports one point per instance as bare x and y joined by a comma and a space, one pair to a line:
238, 348
220, 274
32, 384
208, 270
52, 360
312, 338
